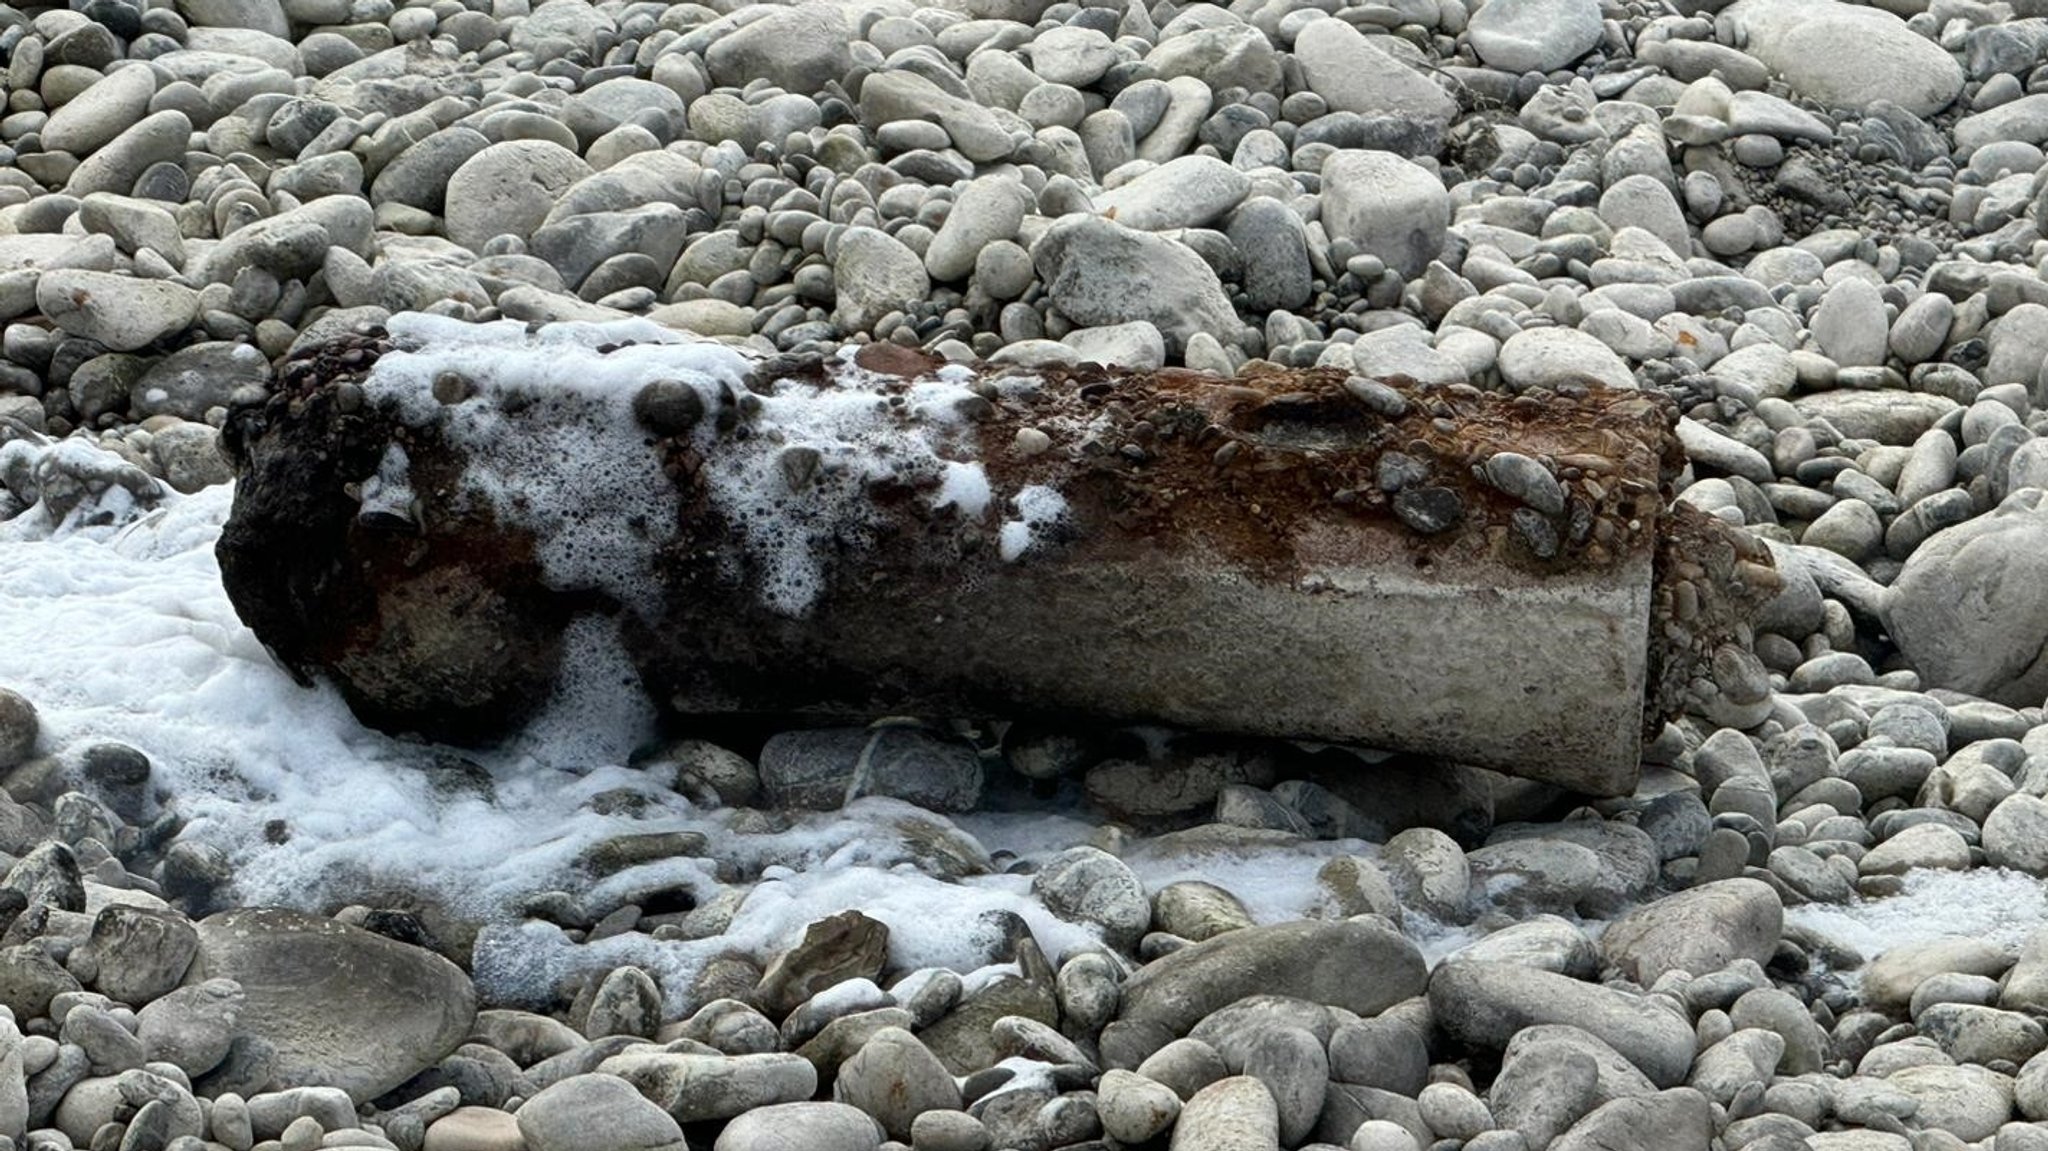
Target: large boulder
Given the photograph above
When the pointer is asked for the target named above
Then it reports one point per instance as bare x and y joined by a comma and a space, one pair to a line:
1389, 207
1098, 272
1697, 931
801, 49
335, 1005
1802, 40
1970, 608
508, 188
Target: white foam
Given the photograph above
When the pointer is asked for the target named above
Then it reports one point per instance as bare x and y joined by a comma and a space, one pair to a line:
114, 491
932, 923
1040, 509
1276, 883
796, 482
126, 635
859, 442
966, 488
389, 491
574, 468
1994, 904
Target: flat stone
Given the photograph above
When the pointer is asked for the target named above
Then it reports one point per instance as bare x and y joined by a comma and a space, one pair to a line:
1352, 74
338, 1006
1486, 1004
1534, 35
121, 312
1351, 964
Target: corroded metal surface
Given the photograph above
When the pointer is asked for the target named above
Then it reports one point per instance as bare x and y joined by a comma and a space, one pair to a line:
1287, 553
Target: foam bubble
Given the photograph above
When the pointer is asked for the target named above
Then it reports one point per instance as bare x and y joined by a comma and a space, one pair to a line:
1994, 904
966, 488
796, 485
550, 431
1040, 509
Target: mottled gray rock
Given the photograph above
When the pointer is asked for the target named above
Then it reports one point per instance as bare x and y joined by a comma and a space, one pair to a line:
138, 954
295, 244
1535, 875
508, 189
1272, 243
419, 176
1697, 931
2015, 834
1353, 74
1429, 870
694, 1088
1970, 609
592, 1112
1295, 1068
1195, 910
1234, 1114
1796, 40
1088, 885
800, 49
874, 274
1970, 1103
1974, 1033
1137, 345
1553, 357
1890, 979
1542, 1098
1534, 35
980, 134
1188, 192
88, 121
823, 768
197, 378
1387, 206
1485, 1004
1889, 417
988, 210
1098, 272
813, 1126
1850, 325
19, 728
121, 312
1642, 201
1544, 942
1224, 56
1680, 1119
894, 1078
1133, 1108
339, 1006
155, 139
194, 1027
1353, 964
189, 456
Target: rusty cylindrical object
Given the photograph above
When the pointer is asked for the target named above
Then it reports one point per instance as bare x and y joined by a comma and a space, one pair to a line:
422, 514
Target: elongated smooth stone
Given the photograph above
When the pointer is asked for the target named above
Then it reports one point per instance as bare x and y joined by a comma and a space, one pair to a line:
443, 518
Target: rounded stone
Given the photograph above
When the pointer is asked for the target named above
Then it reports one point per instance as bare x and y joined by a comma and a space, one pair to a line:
18, 728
